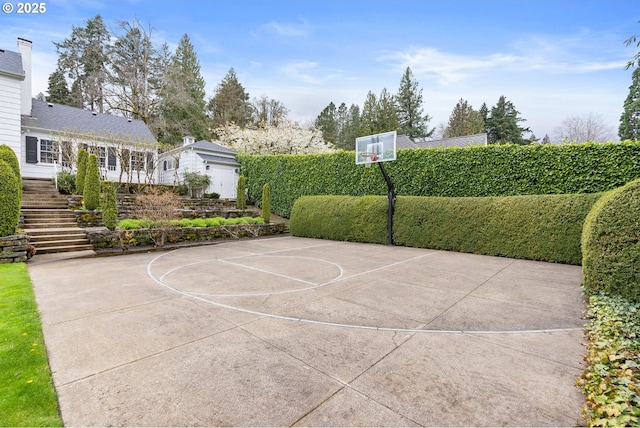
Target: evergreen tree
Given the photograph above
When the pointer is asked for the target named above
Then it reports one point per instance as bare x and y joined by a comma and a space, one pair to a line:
630, 120
81, 171
230, 104
546, 139
83, 57
369, 116
409, 108
183, 105
502, 124
57, 88
352, 127
464, 120
327, 123
484, 114
387, 113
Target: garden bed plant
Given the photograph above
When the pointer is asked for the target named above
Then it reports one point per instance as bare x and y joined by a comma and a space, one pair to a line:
611, 381
133, 224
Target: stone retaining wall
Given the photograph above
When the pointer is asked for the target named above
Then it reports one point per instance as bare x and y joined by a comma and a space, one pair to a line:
123, 240
13, 248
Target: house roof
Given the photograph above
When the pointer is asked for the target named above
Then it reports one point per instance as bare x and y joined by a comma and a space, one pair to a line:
11, 64
62, 118
404, 142
209, 146
218, 159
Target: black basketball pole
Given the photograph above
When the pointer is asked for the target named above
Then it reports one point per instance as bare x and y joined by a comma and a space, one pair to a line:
391, 196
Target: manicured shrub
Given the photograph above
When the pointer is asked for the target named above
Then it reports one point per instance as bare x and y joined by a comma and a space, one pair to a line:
266, 203
611, 244
537, 227
341, 218
9, 156
241, 201
110, 205
66, 182
92, 184
82, 170
9, 200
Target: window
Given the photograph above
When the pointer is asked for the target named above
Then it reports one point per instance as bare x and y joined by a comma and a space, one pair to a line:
138, 161
48, 151
101, 153
111, 159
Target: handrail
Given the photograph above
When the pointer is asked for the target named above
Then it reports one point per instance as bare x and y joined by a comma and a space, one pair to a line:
55, 173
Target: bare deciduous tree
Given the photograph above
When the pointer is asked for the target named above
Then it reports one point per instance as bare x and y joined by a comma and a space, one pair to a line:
584, 128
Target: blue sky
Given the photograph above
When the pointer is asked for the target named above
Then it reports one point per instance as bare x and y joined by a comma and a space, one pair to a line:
552, 59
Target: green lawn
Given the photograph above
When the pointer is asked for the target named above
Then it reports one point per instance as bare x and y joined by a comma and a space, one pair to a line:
27, 395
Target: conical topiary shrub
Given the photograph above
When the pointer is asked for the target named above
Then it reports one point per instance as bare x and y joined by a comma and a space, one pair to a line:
9, 200
92, 184
82, 169
266, 203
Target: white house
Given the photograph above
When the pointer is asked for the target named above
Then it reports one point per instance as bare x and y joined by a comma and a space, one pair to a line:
203, 157
46, 136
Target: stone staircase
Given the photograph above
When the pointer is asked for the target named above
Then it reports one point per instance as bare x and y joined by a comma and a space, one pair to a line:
48, 221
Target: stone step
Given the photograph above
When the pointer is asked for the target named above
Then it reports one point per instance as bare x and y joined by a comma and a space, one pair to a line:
59, 242
47, 213
43, 205
50, 225
61, 249
66, 231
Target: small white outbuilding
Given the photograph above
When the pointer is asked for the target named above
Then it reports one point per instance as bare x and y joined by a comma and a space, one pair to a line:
203, 157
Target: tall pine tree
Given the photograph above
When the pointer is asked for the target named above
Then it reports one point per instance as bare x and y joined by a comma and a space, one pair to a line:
230, 104
183, 104
502, 124
83, 58
630, 120
464, 120
409, 108
327, 123
57, 88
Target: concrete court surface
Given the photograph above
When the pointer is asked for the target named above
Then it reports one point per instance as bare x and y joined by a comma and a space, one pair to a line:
293, 331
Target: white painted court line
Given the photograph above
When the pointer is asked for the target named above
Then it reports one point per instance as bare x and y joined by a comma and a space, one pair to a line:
197, 296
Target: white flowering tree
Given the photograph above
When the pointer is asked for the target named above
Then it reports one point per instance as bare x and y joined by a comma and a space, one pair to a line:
286, 138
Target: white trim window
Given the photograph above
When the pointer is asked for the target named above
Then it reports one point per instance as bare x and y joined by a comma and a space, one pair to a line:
49, 151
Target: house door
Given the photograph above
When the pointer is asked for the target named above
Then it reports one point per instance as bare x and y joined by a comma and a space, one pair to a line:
223, 181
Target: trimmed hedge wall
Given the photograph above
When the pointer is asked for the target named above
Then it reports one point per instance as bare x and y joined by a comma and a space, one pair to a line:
497, 170
341, 218
535, 227
611, 244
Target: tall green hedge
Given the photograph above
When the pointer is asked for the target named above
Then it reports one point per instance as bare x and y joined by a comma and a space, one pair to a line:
92, 184
9, 200
341, 218
534, 227
502, 170
611, 244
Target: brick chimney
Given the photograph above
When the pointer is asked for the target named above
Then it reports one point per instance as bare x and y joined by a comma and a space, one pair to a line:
24, 48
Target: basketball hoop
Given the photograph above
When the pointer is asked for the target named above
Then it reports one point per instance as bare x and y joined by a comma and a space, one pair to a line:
369, 158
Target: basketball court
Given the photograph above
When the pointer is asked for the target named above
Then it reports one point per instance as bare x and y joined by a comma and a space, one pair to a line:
293, 331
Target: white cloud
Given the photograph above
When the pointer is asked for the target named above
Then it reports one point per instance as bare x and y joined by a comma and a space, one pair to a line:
302, 29
308, 72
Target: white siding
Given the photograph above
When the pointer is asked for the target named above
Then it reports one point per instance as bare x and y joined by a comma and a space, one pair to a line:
10, 114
